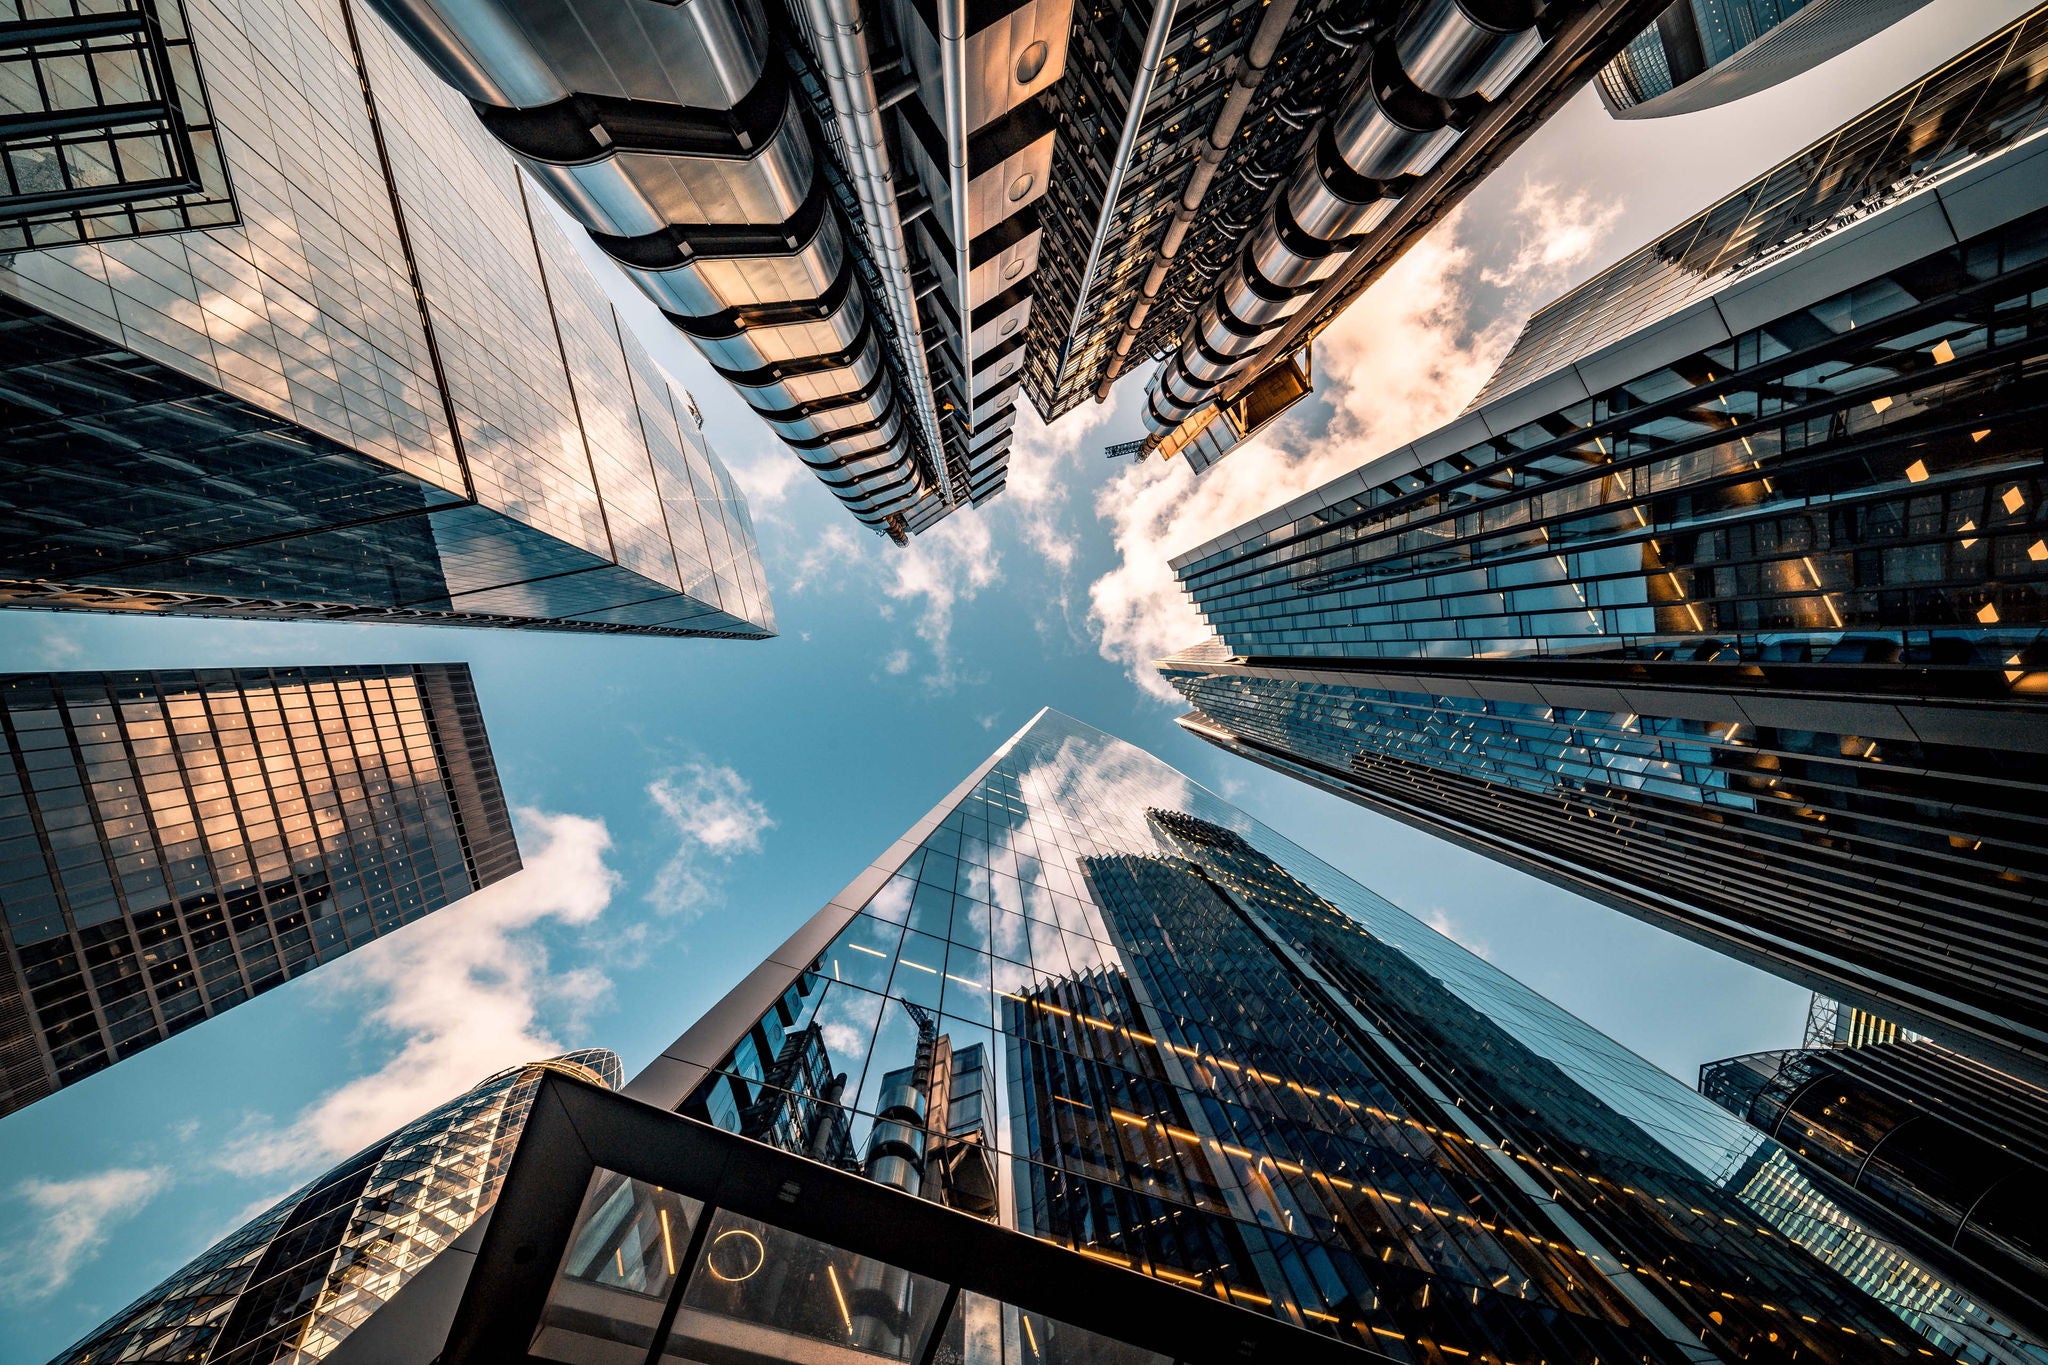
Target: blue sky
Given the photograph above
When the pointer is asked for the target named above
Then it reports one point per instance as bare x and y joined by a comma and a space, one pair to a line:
685, 804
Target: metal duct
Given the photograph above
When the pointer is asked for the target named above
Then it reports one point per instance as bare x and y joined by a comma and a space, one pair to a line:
1258, 57
1442, 56
674, 136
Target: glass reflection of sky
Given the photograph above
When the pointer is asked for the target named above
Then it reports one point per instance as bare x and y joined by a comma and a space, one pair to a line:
1000, 930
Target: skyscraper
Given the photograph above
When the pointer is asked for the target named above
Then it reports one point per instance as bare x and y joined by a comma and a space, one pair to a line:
172, 843
878, 221
1952, 1153
358, 372
1723, 604
1236, 1107
291, 1284
1701, 53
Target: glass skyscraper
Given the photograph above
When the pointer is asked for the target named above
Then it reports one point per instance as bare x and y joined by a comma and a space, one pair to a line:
358, 372
1215, 1082
1951, 1152
292, 1284
173, 843
1701, 53
1724, 603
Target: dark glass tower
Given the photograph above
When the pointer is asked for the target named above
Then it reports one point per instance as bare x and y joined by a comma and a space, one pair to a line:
293, 1283
1953, 1154
1235, 1106
1701, 53
1724, 604
172, 843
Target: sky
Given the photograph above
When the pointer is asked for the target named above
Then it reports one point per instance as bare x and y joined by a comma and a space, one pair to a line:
683, 805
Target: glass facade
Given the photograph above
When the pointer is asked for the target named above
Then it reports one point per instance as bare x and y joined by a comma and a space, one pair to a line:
1973, 107
1746, 641
107, 131
1207, 1057
1952, 1152
1701, 53
172, 843
292, 1284
391, 390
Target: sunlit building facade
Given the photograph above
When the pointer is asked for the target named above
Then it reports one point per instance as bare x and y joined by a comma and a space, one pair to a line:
1222, 1085
338, 361
291, 1285
1723, 605
173, 843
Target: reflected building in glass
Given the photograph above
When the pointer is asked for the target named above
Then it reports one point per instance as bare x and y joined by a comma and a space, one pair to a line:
339, 361
1723, 605
173, 843
290, 1286
1235, 1106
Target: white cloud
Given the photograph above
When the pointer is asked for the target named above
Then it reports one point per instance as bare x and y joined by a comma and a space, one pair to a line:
1404, 359
1559, 234
1044, 461
1440, 920
767, 481
465, 988
828, 557
58, 648
713, 813
897, 662
947, 565
70, 1221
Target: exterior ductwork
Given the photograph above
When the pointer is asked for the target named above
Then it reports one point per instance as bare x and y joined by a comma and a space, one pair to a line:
1443, 58
1258, 59
674, 135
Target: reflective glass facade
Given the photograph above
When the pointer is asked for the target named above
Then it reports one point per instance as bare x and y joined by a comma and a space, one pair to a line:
1212, 1059
1970, 108
107, 132
293, 1283
172, 843
1952, 1152
1701, 53
1736, 626
391, 390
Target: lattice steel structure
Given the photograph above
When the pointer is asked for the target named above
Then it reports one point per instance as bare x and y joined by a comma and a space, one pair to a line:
295, 1282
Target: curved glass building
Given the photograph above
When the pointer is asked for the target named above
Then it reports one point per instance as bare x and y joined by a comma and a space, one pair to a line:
1701, 53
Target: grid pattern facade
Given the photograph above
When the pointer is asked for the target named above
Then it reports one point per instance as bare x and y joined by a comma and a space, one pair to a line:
1987, 99
107, 130
174, 843
392, 390
290, 1286
1219, 1062
1653, 641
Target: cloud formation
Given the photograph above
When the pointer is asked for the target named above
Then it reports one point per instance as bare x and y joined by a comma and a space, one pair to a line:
714, 814
468, 989
1403, 360
70, 1221
949, 564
